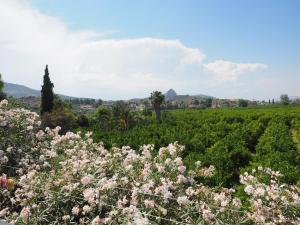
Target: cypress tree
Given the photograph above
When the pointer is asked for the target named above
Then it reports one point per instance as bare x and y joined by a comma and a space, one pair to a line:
47, 93
2, 95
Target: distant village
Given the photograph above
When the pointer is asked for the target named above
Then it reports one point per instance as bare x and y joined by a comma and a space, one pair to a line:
172, 101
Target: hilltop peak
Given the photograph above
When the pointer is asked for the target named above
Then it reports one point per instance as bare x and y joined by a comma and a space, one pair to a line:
170, 94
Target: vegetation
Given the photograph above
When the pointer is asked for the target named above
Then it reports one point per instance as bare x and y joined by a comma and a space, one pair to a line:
2, 95
157, 99
49, 178
284, 99
233, 140
244, 103
226, 166
47, 98
61, 115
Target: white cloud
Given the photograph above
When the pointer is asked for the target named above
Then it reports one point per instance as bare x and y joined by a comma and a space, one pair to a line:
88, 64
226, 70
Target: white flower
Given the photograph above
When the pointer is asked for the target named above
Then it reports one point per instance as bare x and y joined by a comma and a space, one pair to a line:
259, 191
207, 214
25, 213
29, 128
236, 202
168, 161
249, 189
172, 150
149, 203
97, 221
181, 169
3, 123
86, 209
87, 179
163, 210
190, 191
178, 161
75, 210
89, 195
4, 102
181, 179
183, 200
160, 168
3, 212
66, 217
198, 163
9, 149
139, 220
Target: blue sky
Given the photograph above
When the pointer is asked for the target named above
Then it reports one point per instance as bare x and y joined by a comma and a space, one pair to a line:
251, 48
221, 27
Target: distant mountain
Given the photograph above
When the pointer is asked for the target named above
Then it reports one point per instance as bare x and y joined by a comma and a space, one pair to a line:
19, 91
170, 95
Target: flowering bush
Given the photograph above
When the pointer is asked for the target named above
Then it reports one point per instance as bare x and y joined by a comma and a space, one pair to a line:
69, 179
17, 127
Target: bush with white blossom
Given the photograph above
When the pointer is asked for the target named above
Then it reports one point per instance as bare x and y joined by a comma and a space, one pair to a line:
69, 179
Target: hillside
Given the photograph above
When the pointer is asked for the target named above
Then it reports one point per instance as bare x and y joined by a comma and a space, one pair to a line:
19, 91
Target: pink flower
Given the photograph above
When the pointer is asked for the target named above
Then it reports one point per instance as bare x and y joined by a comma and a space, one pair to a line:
25, 213
97, 221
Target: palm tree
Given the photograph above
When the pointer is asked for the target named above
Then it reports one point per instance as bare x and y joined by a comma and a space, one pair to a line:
157, 99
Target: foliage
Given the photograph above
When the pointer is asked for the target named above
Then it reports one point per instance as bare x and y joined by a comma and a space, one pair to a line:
117, 118
157, 98
242, 103
277, 150
1, 83
17, 126
69, 179
83, 121
207, 135
61, 116
284, 99
2, 95
47, 97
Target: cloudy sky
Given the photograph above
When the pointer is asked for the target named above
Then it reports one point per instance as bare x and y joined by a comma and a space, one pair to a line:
115, 49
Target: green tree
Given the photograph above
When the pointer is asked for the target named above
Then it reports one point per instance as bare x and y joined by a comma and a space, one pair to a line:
2, 95
83, 121
61, 115
243, 103
208, 102
284, 99
122, 115
47, 93
157, 98
195, 102
101, 119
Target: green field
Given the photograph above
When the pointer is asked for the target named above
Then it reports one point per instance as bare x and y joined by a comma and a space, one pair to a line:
232, 139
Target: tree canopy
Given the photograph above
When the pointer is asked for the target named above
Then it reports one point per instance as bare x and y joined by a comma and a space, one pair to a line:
157, 98
47, 93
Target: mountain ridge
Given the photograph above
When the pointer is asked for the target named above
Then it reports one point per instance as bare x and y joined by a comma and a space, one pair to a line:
22, 91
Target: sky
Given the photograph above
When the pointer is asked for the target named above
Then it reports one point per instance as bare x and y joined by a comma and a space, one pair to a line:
115, 49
